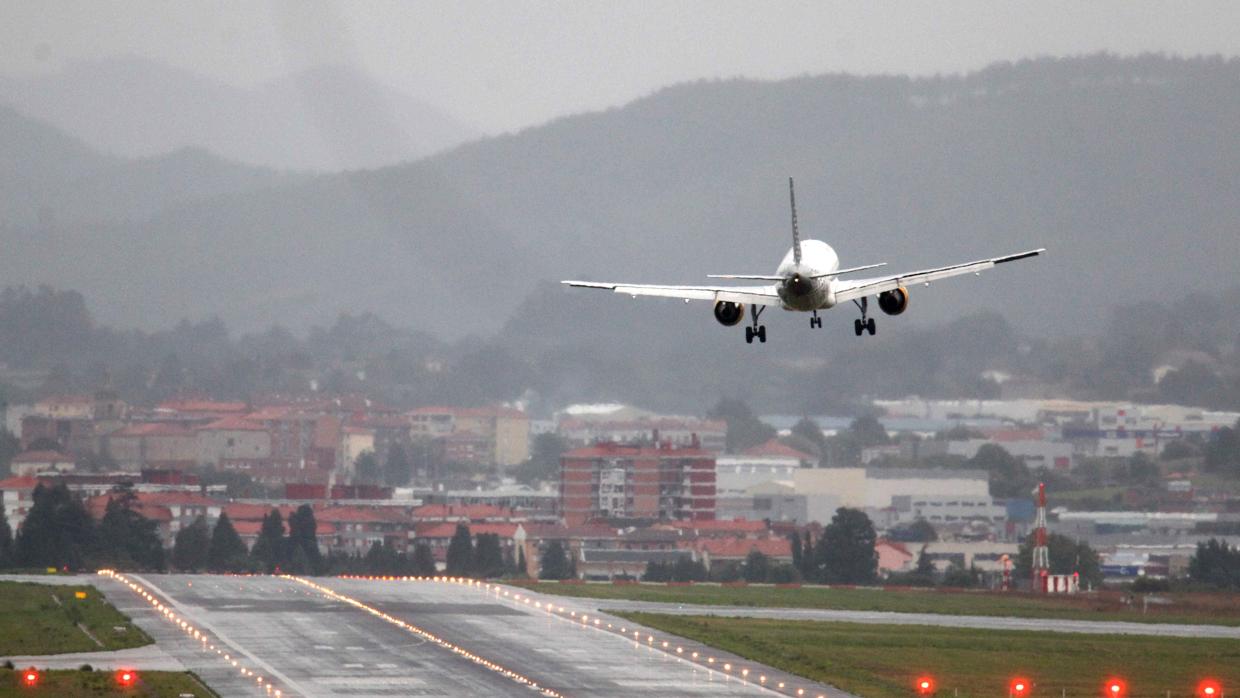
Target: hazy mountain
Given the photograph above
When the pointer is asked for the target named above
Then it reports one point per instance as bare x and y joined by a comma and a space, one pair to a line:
57, 185
1128, 170
320, 119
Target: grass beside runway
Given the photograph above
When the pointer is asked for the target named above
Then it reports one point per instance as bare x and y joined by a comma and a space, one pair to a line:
68, 683
882, 661
42, 619
1197, 608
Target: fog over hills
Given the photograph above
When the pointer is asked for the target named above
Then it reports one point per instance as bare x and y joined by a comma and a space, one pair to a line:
325, 119
1127, 169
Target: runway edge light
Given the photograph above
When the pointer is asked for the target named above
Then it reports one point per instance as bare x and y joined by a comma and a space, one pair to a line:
924, 685
1019, 687
1209, 688
1115, 688
30, 677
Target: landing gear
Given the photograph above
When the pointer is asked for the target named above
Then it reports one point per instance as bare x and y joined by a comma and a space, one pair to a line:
815, 321
756, 330
864, 324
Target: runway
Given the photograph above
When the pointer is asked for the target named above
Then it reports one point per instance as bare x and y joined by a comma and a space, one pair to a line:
1091, 627
353, 637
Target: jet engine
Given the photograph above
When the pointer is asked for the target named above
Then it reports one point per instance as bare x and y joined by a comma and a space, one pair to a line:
729, 314
893, 302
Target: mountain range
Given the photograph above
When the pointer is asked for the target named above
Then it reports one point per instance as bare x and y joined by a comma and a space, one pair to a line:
1128, 170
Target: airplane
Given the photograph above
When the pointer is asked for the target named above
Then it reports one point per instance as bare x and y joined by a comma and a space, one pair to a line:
807, 280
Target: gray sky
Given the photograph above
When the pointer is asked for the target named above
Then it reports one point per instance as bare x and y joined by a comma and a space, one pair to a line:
507, 65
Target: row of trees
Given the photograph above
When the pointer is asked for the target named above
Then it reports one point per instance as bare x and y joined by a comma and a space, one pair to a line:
481, 556
59, 532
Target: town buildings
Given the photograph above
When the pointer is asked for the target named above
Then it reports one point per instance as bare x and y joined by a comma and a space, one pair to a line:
660, 482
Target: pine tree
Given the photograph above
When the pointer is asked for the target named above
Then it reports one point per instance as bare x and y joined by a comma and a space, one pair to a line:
268, 549
554, 563
192, 547
423, 561
126, 538
227, 552
302, 535
845, 552
488, 556
6, 539
460, 552
58, 532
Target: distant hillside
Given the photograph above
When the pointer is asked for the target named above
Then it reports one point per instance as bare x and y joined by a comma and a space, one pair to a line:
323, 119
1127, 169
57, 185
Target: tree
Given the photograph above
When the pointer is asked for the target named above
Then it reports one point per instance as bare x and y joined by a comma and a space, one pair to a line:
544, 462
686, 569
303, 536
868, 431
1216, 564
6, 539
126, 538
1143, 470
845, 553
423, 561
1066, 557
227, 552
522, 567
554, 562
962, 578
757, 567
58, 531
268, 549
460, 552
488, 556
794, 542
397, 470
10, 446
192, 548
919, 531
1223, 451
745, 430
367, 469
1009, 476
809, 431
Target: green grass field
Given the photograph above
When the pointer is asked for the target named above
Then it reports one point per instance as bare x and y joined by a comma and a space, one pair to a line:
96, 684
1219, 609
882, 661
32, 622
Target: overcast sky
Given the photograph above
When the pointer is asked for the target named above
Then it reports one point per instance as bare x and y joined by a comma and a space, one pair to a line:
506, 65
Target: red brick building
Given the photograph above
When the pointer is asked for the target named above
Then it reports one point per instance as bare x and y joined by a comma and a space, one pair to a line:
637, 482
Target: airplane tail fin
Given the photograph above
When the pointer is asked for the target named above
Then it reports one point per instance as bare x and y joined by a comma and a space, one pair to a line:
796, 234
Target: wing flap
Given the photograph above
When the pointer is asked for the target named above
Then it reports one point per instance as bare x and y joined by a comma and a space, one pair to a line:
755, 295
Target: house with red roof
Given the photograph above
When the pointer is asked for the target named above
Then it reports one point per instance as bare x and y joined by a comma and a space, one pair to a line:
721, 550
497, 435
775, 450
142, 445
893, 556
614, 481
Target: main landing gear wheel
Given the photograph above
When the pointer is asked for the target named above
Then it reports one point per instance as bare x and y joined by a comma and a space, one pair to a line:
815, 321
864, 324
756, 330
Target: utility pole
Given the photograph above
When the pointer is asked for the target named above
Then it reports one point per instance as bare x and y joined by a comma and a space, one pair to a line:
1041, 554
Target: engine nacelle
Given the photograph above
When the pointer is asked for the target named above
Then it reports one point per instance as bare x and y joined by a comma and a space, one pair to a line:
893, 302
729, 314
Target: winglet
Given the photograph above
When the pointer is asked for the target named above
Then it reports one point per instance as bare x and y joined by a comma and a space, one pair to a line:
796, 234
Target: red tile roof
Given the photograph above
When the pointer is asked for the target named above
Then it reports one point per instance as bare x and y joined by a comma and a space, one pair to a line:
233, 423
243, 511
721, 526
738, 548
775, 449
202, 406
28, 482
605, 450
153, 429
471, 512
447, 530
349, 514
253, 528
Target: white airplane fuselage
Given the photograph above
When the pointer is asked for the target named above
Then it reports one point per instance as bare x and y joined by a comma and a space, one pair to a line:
804, 288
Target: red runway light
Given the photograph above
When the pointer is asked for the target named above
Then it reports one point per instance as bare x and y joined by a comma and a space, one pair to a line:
126, 678
1115, 688
924, 685
1019, 687
1209, 689
30, 677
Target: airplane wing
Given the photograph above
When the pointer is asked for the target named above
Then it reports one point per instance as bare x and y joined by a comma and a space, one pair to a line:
754, 295
847, 290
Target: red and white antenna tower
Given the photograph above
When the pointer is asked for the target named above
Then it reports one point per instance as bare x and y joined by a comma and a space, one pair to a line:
1041, 555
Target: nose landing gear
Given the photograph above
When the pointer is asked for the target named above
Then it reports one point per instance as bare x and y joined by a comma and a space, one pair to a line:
864, 324
815, 321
